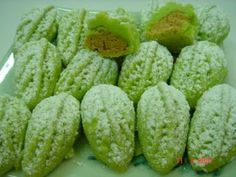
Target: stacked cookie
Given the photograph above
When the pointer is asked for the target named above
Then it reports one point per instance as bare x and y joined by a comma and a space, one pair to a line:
123, 70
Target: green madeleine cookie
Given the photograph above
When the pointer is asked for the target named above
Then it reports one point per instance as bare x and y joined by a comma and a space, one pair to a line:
163, 122
198, 68
50, 134
14, 116
173, 25
38, 67
214, 25
112, 34
151, 64
69, 34
86, 69
108, 120
38, 23
212, 137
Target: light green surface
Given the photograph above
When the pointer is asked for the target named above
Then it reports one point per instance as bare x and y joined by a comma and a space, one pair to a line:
80, 165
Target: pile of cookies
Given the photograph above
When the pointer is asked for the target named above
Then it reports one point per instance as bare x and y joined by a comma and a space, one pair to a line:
157, 74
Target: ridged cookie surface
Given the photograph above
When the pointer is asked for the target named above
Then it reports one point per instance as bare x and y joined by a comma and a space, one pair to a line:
214, 25
14, 116
38, 67
212, 136
86, 70
198, 68
108, 120
50, 134
163, 123
69, 34
151, 64
37, 24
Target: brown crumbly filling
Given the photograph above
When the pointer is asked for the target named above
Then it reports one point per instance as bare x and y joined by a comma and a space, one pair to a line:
171, 22
106, 43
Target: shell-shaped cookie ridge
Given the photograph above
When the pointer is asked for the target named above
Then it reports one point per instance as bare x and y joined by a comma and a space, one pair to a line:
108, 120
198, 68
86, 70
151, 64
211, 141
36, 24
38, 67
14, 117
214, 24
70, 23
51, 134
163, 122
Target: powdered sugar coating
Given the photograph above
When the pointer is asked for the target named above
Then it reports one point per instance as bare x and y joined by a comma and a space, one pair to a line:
38, 67
213, 129
37, 24
214, 24
14, 116
69, 34
85, 70
51, 134
151, 64
163, 122
198, 68
108, 120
